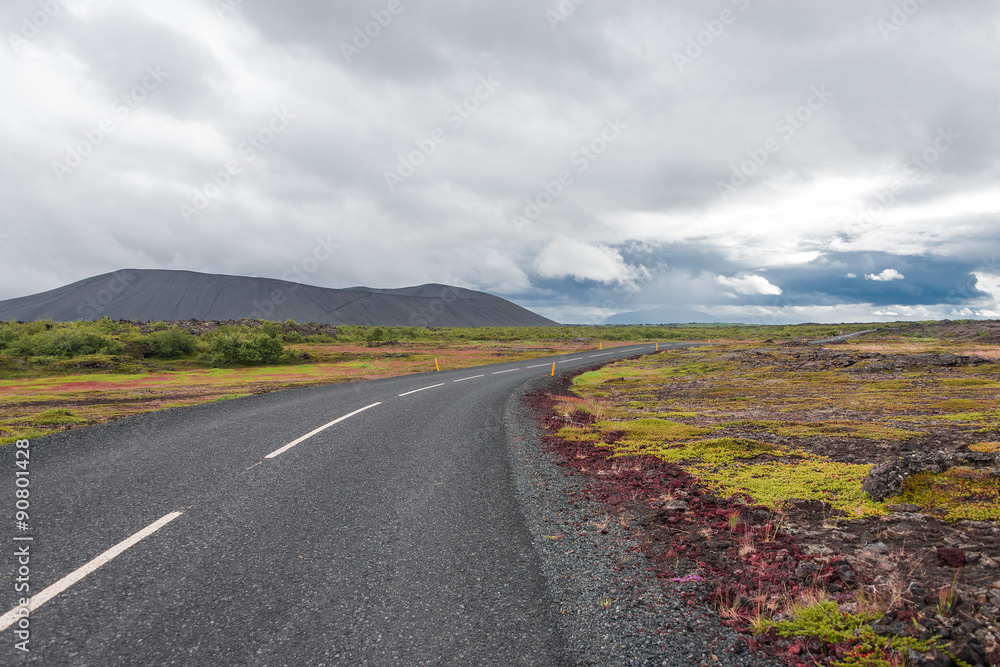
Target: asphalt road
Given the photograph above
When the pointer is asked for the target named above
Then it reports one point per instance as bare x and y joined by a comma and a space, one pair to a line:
390, 537
841, 339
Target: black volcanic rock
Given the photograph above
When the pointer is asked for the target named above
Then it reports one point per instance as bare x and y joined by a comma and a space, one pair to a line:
164, 295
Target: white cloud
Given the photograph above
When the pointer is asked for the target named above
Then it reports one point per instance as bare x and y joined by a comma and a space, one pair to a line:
886, 276
749, 285
989, 283
569, 258
851, 275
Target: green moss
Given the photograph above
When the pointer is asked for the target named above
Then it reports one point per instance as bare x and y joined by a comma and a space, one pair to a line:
229, 397
26, 434
976, 417
651, 430
959, 493
715, 452
810, 478
578, 434
866, 430
826, 622
886, 385
969, 382
957, 404
55, 417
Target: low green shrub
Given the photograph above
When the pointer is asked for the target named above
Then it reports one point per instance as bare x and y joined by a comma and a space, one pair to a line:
231, 346
171, 343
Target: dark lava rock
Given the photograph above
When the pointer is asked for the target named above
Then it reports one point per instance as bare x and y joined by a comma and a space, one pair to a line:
952, 556
886, 480
932, 659
905, 507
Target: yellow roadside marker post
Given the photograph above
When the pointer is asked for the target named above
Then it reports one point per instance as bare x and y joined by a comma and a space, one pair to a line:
553, 368
602, 345
437, 365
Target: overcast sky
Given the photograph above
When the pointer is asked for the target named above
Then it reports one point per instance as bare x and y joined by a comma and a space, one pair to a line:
756, 160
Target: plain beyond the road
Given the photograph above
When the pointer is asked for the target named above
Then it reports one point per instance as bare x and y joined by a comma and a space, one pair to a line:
389, 533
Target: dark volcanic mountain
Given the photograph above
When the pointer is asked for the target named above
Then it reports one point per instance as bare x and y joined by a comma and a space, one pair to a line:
162, 295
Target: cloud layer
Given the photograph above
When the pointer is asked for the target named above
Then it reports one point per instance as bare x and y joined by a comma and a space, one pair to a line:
760, 161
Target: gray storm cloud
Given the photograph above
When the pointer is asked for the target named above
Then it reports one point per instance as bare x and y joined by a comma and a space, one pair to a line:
762, 150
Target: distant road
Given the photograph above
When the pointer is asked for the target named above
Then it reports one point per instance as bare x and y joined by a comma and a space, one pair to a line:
841, 339
367, 523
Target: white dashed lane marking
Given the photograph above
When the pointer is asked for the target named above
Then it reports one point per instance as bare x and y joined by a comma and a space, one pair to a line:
433, 386
321, 428
73, 577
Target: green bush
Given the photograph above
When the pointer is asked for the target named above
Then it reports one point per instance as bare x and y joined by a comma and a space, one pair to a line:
231, 346
374, 335
65, 343
171, 343
272, 329
293, 337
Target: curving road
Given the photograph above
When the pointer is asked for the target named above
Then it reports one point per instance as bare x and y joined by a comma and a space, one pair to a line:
354, 524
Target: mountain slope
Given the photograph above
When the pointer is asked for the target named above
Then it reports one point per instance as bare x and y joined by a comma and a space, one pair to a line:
159, 294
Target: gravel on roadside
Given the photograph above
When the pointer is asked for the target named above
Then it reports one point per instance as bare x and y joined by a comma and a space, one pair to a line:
611, 609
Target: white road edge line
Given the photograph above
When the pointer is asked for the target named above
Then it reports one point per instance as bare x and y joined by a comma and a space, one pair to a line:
471, 378
566, 361
433, 386
55, 589
284, 449
601, 355
540, 365
510, 371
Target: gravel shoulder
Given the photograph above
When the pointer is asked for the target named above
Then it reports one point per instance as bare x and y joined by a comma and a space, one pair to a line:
611, 609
